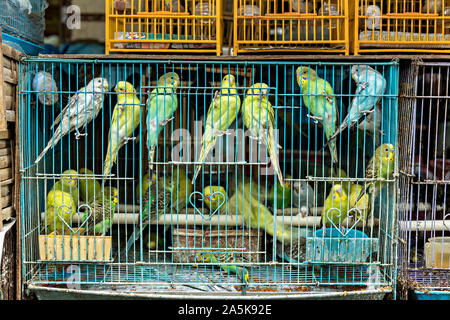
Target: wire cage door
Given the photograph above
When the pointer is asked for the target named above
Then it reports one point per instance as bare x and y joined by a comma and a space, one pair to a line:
423, 215
402, 26
218, 176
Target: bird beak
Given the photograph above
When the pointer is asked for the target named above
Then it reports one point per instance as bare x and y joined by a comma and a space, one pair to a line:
264, 92
115, 88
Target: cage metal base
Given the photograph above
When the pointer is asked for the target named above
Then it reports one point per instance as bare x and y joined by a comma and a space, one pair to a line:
146, 292
429, 279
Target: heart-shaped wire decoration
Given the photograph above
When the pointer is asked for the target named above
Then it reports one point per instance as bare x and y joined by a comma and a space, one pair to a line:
443, 221
207, 218
64, 221
344, 234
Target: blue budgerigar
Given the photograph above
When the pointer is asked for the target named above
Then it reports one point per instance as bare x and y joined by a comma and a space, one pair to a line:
370, 87
162, 104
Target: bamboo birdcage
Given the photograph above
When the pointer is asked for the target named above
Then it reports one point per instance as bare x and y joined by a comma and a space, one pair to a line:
164, 26
283, 26
406, 26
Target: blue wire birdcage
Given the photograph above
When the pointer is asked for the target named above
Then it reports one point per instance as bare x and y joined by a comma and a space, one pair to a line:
23, 24
424, 227
221, 223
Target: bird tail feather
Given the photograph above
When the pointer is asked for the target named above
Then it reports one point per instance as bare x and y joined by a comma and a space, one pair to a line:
53, 142
203, 154
273, 155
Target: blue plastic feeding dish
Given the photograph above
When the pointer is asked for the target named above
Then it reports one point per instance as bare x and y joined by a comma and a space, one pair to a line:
353, 246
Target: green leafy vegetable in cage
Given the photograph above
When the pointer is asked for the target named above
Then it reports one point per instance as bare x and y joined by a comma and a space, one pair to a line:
161, 106
125, 119
221, 114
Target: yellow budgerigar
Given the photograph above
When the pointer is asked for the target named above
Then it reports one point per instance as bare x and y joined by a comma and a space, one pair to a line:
335, 208
360, 209
69, 184
259, 118
60, 206
125, 119
214, 197
221, 114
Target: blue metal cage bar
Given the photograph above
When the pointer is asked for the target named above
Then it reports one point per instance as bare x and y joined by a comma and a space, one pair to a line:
234, 224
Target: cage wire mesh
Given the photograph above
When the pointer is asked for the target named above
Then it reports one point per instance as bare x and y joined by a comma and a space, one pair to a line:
424, 175
24, 19
402, 26
217, 175
299, 25
164, 26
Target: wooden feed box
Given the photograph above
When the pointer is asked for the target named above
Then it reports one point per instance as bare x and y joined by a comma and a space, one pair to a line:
184, 239
76, 248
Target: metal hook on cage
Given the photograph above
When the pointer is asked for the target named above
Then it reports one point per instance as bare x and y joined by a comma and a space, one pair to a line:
85, 218
211, 198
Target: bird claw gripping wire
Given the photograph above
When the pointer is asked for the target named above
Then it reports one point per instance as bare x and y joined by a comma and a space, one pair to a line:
365, 112
128, 139
256, 138
78, 135
362, 86
315, 119
165, 122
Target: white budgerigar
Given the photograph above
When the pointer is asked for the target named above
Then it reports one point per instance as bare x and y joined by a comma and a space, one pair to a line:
82, 108
46, 87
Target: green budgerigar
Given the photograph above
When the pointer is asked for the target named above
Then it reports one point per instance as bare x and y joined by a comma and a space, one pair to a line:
380, 166
60, 208
335, 208
161, 105
282, 195
145, 182
340, 174
259, 118
181, 187
318, 97
88, 186
214, 197
125, 119
156, 201
103, 208
68, 184
226, 260
358, 210
221, 114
